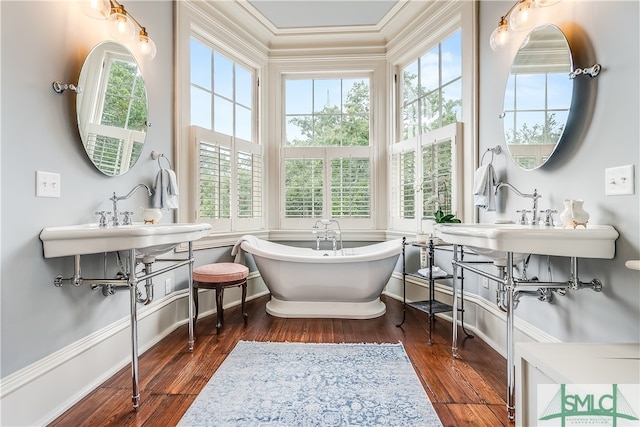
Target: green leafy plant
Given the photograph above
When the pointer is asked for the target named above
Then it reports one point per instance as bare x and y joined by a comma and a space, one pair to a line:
442, 218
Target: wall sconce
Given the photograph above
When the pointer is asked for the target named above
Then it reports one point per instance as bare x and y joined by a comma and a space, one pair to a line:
121, 25
522, 16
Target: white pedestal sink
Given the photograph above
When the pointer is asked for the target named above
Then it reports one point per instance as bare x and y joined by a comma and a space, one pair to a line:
595, 241
144, 242
147, 239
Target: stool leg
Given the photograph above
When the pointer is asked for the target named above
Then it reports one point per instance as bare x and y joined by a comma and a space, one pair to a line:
220, 315
195, 303
244, 297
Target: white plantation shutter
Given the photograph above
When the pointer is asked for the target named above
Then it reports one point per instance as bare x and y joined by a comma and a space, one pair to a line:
230, 181
350, 188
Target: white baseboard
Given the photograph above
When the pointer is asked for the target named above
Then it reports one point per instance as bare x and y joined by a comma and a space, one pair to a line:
62, 379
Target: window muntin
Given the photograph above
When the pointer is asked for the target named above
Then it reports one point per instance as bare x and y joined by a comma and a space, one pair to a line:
327, 112
221, 93
431, 88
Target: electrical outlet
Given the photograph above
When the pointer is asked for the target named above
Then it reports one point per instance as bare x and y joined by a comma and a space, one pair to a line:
168, 286
47, 184
618, 181
485, 282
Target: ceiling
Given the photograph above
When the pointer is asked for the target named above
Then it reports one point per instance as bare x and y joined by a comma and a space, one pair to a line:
299, 14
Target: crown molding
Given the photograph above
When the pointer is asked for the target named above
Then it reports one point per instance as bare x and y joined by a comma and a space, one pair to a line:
241, 17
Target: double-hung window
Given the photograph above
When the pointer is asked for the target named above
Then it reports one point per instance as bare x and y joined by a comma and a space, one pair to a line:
228, 161
425, 160
326, 163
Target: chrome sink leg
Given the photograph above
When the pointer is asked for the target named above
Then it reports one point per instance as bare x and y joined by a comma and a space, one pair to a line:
191, 313
133, 281
510, 291
454, 338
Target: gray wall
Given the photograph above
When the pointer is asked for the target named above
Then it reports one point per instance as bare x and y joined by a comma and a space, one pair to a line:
46, 41
607, 136
43, 42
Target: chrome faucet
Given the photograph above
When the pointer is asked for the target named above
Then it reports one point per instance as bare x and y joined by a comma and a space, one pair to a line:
535, 196
115, 219
327, 233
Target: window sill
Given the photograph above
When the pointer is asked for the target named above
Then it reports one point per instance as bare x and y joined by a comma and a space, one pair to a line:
219, 240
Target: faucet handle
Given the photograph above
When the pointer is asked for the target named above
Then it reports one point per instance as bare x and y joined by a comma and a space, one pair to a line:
126, 217
523, 216
548, 217
103, 218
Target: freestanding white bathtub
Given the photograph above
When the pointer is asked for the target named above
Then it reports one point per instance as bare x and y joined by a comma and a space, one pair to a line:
309, 283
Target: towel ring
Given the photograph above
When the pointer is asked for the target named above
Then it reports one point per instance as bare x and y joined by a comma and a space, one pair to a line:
156, 155
494, 150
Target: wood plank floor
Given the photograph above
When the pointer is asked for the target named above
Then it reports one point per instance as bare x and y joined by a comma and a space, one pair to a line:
468, 391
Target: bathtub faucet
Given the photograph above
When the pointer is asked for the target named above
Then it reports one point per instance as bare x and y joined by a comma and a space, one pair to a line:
327, 233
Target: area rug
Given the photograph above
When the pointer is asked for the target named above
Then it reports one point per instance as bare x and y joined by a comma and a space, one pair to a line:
305, 384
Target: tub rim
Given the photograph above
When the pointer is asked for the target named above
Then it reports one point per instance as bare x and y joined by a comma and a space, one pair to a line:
387, 249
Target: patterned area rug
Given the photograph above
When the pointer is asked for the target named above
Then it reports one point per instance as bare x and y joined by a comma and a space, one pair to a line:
302, 384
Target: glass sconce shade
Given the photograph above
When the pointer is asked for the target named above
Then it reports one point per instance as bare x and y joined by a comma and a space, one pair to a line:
524, 16
146, 46
97, 9
500, 36
121, 27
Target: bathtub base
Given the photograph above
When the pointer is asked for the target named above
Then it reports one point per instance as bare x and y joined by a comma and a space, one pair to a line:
321, 309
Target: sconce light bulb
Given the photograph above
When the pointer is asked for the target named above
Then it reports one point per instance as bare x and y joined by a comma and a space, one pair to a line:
97, 9
524, 16
146, 46
500, 36
121, 27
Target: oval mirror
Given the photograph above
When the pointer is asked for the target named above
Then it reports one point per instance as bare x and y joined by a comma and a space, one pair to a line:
538, 96
112, 108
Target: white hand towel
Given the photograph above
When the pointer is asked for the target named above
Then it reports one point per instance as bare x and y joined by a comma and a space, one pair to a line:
237, 251
485, 180
436, 272
165, 190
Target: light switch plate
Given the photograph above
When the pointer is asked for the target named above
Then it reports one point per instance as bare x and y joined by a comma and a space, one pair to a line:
619, 181
47, 184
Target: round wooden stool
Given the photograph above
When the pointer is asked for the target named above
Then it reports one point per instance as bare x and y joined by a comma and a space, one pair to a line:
219, 276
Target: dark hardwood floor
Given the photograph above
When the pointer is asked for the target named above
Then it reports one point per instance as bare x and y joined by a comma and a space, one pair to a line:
469, 390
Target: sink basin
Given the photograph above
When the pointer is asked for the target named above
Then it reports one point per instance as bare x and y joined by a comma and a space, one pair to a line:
148, 239
499, 258
595, 241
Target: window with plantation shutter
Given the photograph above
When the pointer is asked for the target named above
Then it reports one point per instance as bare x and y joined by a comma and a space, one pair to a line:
425, 160
215, 181
423, 183
230, 181
326, 166
303, 185
350, 189
229, 172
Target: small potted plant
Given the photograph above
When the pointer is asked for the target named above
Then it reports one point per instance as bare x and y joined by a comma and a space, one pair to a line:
442, 218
